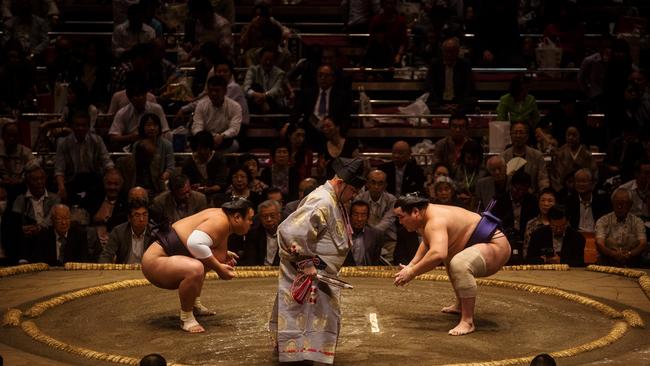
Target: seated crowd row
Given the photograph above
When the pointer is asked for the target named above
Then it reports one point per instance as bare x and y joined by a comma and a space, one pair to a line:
111, 215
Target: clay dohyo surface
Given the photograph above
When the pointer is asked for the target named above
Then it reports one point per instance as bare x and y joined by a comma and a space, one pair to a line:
412, 331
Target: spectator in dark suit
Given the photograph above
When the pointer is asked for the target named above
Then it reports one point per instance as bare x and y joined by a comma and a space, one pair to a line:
128, 241
557, 242
367, 240
450, 81
179, 202
585, 206
493, 186
315, 104
403, 175
261, 243
516, 208
62, 242
109, 207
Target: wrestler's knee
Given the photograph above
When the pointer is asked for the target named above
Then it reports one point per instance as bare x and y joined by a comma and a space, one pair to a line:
195, 271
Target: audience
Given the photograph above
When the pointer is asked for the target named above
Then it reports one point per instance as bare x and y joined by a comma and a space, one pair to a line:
143, 167
240, 178
81, 158
556, 242
586, 205
569, 157
178, 202
535, 166
403, 175
450, 82
620, 235
325, 99
612, 87
261, 242
367, 241
447, 150
219, 115
15, 159
124, 129
128, 241
204, 25
64, 241
518, 105
495, 185
305, 187
24, 26
264, 84
32, 211
132, 32
381, 215
206, 168
547, 199
281, 174
640, 189
542, 360
153, 359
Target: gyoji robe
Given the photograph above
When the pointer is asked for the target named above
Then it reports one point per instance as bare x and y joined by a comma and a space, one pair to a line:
309, 331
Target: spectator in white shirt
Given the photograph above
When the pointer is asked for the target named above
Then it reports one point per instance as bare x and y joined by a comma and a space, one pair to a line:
132, 32
219, 115
124, 128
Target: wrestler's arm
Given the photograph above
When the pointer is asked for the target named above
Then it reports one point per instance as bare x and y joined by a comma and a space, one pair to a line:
435, 233
429, 255
422, 250
214, 230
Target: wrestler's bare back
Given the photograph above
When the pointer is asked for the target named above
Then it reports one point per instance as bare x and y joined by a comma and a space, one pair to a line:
460, 224
212, 221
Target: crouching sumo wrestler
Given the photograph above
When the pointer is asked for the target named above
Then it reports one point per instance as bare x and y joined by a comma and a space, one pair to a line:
470, 245
185, 251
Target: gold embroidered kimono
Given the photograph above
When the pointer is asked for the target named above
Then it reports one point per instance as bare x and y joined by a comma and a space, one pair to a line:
309, 331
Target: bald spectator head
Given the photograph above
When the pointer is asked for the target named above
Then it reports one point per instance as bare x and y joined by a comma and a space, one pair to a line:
138, 193
60, 215
496, 166
401, 153
376, 183
306, 186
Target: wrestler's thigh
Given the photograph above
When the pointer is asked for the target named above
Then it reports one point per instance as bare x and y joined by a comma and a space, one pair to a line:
169, 272
495, 256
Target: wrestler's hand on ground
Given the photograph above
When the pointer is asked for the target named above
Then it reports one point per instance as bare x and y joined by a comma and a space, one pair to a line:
226, 272
232, 258
404, 276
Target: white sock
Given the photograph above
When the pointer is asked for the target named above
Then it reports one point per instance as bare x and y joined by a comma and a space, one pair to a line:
187, 316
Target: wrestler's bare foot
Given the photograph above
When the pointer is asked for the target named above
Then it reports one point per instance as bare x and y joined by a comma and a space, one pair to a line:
462, 328
201, 310
451, 309
192, 326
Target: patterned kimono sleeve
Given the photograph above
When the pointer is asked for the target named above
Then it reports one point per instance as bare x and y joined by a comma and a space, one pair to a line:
304, 228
